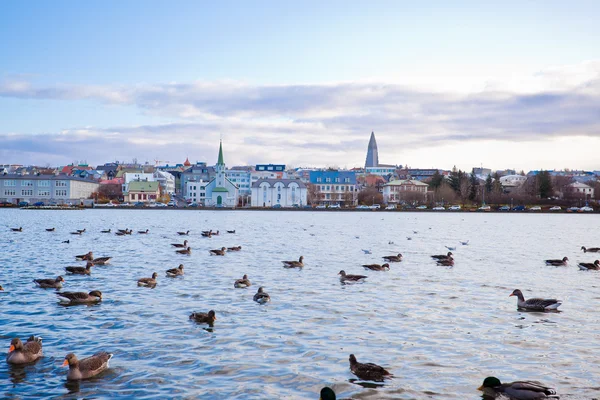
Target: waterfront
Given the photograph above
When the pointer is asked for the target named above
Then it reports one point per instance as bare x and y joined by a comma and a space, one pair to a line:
439, 330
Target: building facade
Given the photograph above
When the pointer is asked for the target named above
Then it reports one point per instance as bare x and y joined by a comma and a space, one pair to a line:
196, 192
220, 191
242, 178
197, 172
278, 192
402, 190
58, 189
334, 187
142, 191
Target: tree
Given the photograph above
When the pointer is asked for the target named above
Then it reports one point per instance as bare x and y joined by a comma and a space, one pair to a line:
489, 184
544, 185
313, 193
473, 186
348, 198
436, 180
111, 191
369, 196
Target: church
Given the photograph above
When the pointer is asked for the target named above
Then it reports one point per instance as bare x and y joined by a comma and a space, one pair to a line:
220, 191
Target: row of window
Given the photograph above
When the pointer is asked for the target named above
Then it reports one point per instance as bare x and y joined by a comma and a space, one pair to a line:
30, 183
40, 193
336, 180
142, 196
336, 188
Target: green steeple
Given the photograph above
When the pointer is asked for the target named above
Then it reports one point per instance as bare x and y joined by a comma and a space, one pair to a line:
220, 162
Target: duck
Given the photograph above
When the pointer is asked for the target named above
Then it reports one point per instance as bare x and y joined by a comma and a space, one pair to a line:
123, 231
183, 233
87, 367
19, 353
81, 230
1, 288
233, 231
148, 282
50, 283
94, 296
535, 304
76, 233
105, 231
80, 270
350, 278
377, 267
396, 258
207, 233
234, 248
327, 394
242, 283
185, 242
443, 256
591, 249
557, 263
144, 232
589, 266
294, 264
120, 233
67, 241
185, 251
262, 297
89, 256
175, 271
368, 371
449, 262
519, 390
102, 260
215, 233
50, 229
204, 318
19, 229
218, 252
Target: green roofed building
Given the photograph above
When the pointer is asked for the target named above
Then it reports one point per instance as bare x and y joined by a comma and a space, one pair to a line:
220, 191
142, 191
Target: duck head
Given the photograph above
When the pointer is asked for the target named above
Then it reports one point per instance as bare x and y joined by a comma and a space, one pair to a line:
70, 360
60, 279
154, 275
15, 344
489, 382
211, 315
327, 394
517, 293
342, 273
352, 359
96, 293
565, 259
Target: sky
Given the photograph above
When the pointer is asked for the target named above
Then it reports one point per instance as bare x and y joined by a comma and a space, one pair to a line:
514, 84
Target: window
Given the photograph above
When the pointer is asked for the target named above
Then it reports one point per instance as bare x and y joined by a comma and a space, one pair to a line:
61, 184
278, 197
132, 196
347, 180
43, 183
60, 193
10, 182
328, 187
337, 180
279, 188
26, 192
10, 192
44, 193
327, 180
337, 188
319, 180
26, 183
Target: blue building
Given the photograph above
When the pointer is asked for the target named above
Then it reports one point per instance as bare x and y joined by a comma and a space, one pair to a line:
334, 187
270, 167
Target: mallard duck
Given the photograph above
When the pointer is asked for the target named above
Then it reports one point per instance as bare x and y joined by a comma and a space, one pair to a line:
183, 233
591, 249
175, 271
446, 263
105, 231
368, 371
443, 256
520, 390
294, 264
19, 229
350, 278
19, 353
102, 260
234, 248
204, 318
535, 304
557, 263
242, 283
84, 257
185, 242
144, 232
218, 252
50, 283
396, 258
327, 394
377, 267
261, 296
231, 231
185, 251
87, 270
80, 297
148, 282
588, 266
49, 229
88, 367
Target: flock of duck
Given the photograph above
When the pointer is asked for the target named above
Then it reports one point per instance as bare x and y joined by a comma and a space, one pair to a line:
20, 353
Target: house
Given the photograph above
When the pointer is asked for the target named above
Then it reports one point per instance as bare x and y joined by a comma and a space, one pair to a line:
196, 192
220, 191
47, 188
165, 180
142, 191
579, 190
512, 182
404, 190
334, 187
129, 177
197, 173
282, 192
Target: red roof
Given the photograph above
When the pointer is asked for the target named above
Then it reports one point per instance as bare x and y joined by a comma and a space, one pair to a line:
114, 181
187, 162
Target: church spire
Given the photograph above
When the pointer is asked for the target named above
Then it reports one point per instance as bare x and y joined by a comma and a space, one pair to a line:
372, 153
220, 161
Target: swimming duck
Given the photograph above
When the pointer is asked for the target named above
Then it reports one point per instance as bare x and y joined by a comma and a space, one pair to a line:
175, 271
294, 264
520, 390
206, 233
148, 282
81, 230
327, 394
183, 233
368, 371
102, 260
185, 242
49, 229
50, 283
1, 288
231, 231
88, 367
204, 318
144, 232
443, 256
557, 263
396, 258
449, 262
20, 353
186, 251
80, 297
124, 231
84, 257
120, 233
105, 231
350, 278
67, 241
377, 267
80, 270
242, 283
76, 233
535, 304
588, 266
591, 249
217, 252
261, 296
234, 248
20, 229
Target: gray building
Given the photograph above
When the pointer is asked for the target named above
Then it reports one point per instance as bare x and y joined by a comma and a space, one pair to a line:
372, 153
58, 189
199, 172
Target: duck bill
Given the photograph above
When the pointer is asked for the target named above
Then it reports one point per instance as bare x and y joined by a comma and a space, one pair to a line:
11, 348
511, 295
480, 388
65, 363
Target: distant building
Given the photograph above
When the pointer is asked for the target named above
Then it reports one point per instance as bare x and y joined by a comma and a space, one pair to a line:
482, 171
381, 170
579, 190
47, 188
282, 192
512, 182
196, 173
404, 190
335, 187
142, 191
242, 178
220, 191
196, 192
372, 153
166, 181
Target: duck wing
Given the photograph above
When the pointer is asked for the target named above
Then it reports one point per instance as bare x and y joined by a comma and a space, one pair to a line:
77, 270
533, 389
355, 277
73, 296
33, 347
541, 303
96, 363
45, 282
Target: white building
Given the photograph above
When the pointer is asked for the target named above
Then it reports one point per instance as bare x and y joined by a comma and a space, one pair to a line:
581, 190
404, 190
220, 191
196, 192
166, 181
135, 176
511, 182
282, 192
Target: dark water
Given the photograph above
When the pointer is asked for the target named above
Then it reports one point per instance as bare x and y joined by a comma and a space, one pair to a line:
439, 330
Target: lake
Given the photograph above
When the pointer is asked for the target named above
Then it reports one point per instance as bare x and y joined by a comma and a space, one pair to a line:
439, 330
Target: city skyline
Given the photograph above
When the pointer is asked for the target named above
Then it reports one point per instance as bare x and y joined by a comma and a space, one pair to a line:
440, 86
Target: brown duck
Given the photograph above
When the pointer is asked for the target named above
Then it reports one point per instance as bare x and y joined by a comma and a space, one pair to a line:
218, 252
242, 283
175, 271
49, 229
234, 248
183, 233
87, 270
262, 297
69, 298
368, 371
443, 256
396, 258
344, 277
377, 267
84, 257
206, 233
590, 266
50, 283
204, 318
446, 263
88, 367
20, 353
591, 249
557, 263
186, 251
185, 242
148, 282
294, 264
102, 260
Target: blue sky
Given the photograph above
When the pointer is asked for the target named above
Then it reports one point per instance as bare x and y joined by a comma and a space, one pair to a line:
258, 72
